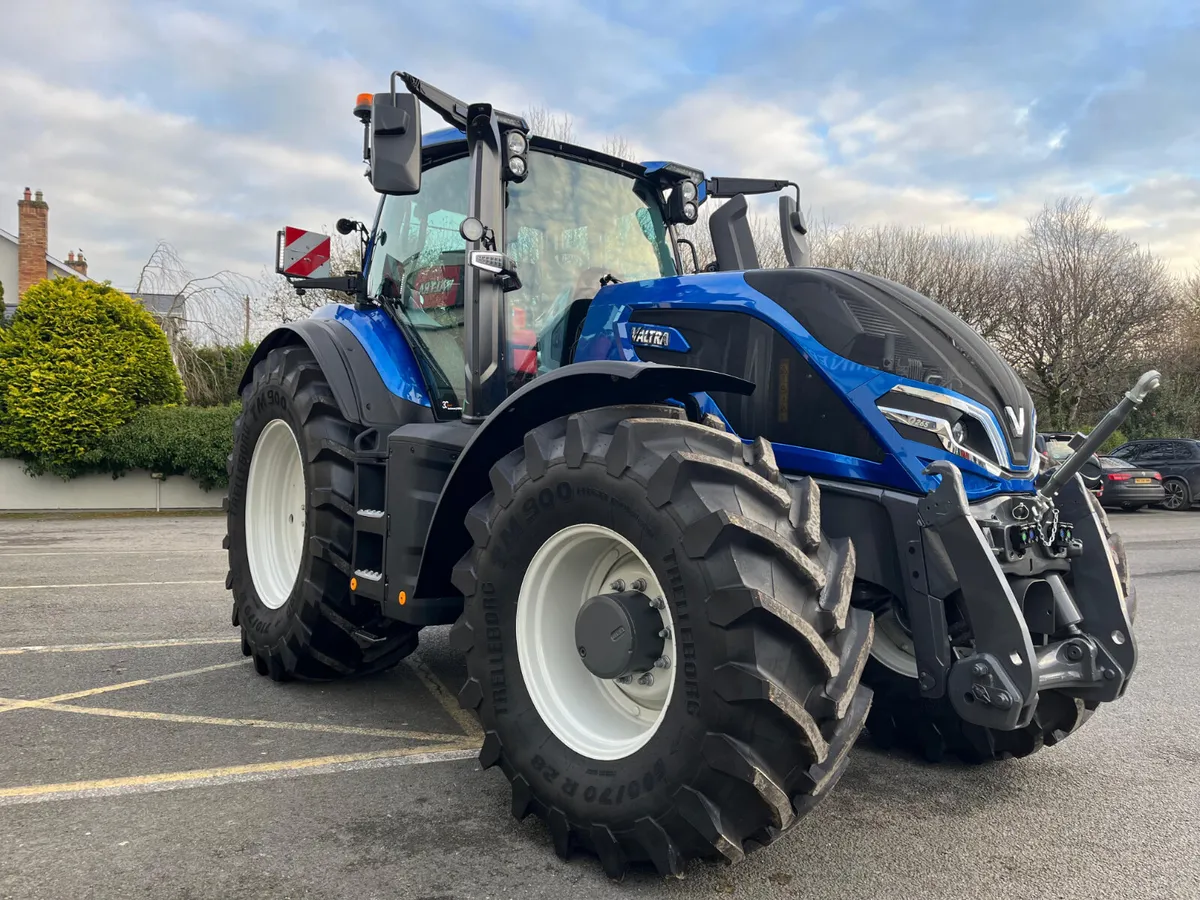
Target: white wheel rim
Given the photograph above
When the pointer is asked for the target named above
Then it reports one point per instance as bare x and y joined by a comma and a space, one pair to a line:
595, 717
893, 646
275, 513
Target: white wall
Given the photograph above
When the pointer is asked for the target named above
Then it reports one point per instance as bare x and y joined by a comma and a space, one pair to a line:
8, 270
136, 490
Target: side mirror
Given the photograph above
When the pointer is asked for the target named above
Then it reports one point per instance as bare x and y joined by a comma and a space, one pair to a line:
395, 149
795, 233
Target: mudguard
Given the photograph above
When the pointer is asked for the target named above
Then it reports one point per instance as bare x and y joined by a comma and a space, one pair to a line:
571, 389
361, 395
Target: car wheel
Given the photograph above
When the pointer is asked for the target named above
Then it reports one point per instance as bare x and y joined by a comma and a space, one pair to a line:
1179, 495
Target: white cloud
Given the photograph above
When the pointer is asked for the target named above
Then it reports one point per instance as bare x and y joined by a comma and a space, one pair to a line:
93, 94
119, 176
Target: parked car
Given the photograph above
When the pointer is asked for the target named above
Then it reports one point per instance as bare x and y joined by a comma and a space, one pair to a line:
1055, 448
1127, 487
1177, 460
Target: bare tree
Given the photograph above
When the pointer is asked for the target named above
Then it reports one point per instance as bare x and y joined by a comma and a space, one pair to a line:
616, 145
972, 276
1092, 306
196, 312
547, 124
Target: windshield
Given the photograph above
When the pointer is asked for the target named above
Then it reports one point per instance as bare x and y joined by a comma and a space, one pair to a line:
569, 225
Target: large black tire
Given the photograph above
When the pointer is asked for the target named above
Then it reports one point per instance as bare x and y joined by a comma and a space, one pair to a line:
322, 631
931, 729
768, 701
903, 720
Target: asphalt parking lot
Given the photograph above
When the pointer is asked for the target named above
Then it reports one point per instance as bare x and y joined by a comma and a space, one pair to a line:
141, 757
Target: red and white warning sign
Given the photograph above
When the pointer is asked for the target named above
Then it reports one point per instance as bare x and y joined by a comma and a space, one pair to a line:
303, 254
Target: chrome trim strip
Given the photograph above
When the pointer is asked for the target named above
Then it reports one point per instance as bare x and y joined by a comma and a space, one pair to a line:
945, 434
977, 412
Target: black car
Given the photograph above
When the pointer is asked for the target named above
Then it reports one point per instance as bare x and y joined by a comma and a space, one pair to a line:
1128, 487
1177, 460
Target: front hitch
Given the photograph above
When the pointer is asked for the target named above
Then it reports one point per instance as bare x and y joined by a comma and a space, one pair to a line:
1092, 653
996, 686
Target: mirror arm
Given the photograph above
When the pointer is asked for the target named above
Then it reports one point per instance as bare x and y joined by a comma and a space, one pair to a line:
347, 284
695, 259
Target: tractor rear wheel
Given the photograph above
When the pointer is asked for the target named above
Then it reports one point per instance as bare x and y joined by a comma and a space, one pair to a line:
289, 530
658, 638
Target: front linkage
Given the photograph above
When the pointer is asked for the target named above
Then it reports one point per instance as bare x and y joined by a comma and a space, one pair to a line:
997, 684
1039, 565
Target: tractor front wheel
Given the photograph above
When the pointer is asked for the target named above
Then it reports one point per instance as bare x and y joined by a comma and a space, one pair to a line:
659, 639
289, 531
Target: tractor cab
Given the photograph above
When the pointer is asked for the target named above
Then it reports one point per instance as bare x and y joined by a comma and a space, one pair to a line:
490, 243
570, 225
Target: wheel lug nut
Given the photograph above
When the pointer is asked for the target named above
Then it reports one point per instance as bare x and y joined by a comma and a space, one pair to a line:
657, 603
582, 651
665, 634
646, 680
639, 584
618, 585
663, 662
624, 679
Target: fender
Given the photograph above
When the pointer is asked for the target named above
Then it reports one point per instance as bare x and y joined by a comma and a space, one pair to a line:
361, 395
570, 389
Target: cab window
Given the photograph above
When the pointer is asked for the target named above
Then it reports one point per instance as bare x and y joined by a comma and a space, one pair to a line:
569, 225
417, 262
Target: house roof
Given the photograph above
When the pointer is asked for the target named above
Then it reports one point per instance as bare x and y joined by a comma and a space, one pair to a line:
53, 260
160, 304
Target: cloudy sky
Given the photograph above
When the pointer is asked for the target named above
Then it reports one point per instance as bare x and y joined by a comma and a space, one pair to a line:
212, 124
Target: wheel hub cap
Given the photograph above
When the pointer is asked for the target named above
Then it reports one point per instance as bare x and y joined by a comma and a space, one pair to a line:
619, 634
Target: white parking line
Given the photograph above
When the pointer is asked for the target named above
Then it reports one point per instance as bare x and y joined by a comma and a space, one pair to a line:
42, 587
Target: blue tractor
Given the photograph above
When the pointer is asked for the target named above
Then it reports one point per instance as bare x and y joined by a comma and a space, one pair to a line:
693, 531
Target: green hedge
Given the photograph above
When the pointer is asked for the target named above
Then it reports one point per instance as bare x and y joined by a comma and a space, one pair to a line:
77, 361
174, 440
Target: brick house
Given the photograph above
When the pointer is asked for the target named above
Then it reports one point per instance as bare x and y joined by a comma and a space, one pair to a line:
25, 257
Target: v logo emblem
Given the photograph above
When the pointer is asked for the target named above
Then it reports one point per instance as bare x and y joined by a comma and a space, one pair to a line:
1016, 420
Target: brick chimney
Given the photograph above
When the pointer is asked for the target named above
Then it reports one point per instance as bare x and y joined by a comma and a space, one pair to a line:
78, 263
32, 215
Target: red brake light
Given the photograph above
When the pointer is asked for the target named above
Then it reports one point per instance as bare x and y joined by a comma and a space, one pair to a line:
1157, 476
1118, 476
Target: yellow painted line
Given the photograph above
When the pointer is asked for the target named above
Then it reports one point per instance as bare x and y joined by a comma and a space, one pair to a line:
161, 781
91, 692
394, 733
123, 645
449, 702
100, 584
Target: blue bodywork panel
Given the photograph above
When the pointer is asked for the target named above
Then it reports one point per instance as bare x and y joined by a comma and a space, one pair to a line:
384, 343
606, 335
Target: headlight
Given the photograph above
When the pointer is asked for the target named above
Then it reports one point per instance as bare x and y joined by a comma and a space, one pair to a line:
954, 424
